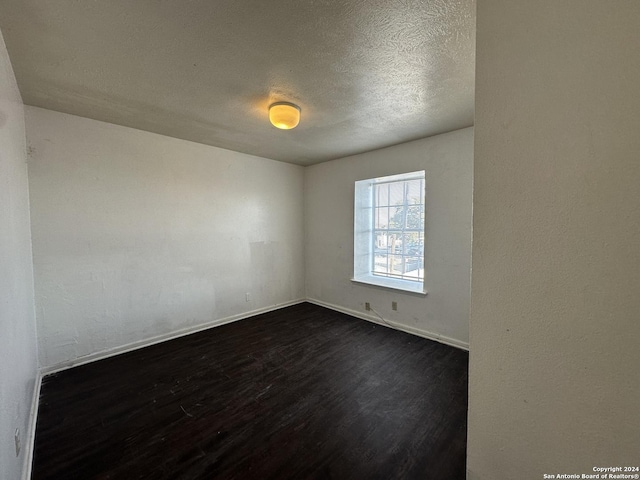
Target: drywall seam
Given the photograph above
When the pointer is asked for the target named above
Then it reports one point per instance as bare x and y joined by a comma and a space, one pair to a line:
31, 433
452, 342
162, 338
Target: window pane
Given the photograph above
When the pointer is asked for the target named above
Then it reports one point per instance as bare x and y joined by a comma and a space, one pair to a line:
395, 264
414, 267
382, 194
415, 219
414, 192
380, 263
396, 193
394, 242
381, 241
406, 243
399, 237
396, 219
392, 231
382, 217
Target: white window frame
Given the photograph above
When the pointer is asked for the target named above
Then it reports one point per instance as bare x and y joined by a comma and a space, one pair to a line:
364, 226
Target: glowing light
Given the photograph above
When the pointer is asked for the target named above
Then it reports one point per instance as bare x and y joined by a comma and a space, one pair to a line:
284, 115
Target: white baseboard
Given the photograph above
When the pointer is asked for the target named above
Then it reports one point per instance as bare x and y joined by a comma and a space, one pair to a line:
161, 338
33, 414
30, 437
397, 326
223, 321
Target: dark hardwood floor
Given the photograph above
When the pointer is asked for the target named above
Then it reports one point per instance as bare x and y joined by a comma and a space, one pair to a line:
300, 393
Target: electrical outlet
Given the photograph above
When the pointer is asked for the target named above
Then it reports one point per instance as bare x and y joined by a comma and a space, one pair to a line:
16, 439
394, 306
247, 297
367, 306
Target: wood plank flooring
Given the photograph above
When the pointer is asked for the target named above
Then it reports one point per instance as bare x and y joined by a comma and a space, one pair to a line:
299, 393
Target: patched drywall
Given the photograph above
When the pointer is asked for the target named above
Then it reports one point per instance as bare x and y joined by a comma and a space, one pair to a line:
18, 354
137, 235
329, 189
555, 316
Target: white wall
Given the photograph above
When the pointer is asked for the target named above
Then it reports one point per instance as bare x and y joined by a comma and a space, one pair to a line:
137, 235
329, 189
555, 316
18, 354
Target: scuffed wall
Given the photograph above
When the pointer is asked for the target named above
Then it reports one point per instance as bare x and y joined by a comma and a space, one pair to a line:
137, 235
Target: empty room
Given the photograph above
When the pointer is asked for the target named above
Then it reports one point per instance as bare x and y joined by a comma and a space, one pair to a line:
324, 240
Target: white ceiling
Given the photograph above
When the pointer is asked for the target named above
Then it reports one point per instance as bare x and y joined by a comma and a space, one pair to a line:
366, 73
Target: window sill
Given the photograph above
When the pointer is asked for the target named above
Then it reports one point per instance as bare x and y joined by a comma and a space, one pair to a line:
392, 283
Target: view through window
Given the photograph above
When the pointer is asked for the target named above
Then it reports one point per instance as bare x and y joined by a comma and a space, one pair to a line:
398, 231
389, 231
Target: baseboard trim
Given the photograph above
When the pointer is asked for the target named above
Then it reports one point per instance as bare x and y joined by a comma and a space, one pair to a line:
94, 357
33, 414
452, 342
30, 438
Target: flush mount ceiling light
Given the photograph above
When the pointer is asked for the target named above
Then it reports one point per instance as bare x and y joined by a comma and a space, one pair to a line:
284, 115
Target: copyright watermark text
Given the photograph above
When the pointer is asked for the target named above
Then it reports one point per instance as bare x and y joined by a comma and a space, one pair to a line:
599, 473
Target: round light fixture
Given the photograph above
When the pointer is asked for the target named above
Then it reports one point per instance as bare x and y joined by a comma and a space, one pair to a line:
284, 115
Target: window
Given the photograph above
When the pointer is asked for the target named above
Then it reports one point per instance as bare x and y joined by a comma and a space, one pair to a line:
389, 231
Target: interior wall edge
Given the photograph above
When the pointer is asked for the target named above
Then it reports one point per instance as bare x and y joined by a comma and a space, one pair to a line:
31, 433
18, 345
452, 342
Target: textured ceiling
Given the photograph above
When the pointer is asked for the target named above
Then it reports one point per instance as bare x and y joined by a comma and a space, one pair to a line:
366, 73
